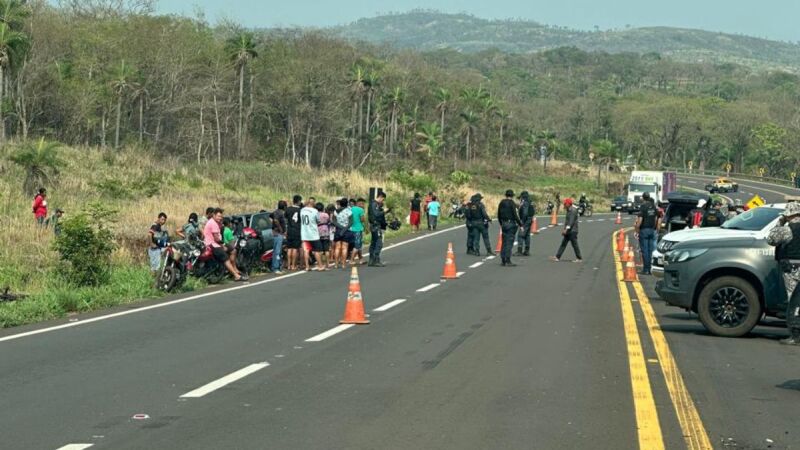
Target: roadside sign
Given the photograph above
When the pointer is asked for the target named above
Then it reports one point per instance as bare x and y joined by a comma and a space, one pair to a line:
728, 167
761, 171
690, 164
755, 202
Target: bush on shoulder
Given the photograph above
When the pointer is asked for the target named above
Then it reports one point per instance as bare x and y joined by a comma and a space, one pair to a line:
85, 246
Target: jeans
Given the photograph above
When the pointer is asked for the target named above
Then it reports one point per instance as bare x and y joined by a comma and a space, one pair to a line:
376, 245
647, 243
154, 255
277, 249
569, 238
509, 234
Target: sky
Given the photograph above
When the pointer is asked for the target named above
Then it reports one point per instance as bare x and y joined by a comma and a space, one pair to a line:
772, 19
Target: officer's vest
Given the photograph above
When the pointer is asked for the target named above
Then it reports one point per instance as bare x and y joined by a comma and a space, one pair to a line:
711, 219
790, 250
472, 211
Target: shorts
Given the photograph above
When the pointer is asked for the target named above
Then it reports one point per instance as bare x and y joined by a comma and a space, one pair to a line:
358, 240
343, 236
293, 242
326, 245
230, 247
312, 246
219, 254
415, 217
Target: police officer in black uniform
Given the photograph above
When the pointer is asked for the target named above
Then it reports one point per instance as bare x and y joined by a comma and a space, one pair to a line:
477, 222
508, 216
526, 213
713, 217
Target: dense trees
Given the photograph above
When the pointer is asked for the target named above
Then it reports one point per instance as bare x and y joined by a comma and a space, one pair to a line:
106, 73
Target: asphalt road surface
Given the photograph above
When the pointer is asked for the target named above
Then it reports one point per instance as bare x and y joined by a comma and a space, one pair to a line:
541, 356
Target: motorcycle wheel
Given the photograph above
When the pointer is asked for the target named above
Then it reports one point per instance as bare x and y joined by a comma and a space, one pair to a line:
588, 212
216, 276
168, 279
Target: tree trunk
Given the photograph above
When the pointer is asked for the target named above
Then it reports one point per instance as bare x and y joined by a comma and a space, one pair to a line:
103, 126
219, 126
141, 118
308, 145
2, 99
241, 109
202, 132
444, 143
119, 119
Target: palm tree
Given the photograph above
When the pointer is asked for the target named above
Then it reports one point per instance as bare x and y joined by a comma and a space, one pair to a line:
371, 82
443, 100
241, 50
432, 141
12, 45
606, 152
13, 13
121, 81
395, 101
40, 162
468, 129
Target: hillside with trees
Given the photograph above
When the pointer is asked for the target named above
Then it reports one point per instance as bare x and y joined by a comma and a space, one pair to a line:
430, 30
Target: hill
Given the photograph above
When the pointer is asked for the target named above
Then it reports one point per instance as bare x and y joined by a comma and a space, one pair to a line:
428, 30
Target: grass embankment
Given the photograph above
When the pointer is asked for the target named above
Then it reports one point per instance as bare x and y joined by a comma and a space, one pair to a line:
138, 186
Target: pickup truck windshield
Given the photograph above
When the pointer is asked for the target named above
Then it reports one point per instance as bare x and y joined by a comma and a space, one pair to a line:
753, 220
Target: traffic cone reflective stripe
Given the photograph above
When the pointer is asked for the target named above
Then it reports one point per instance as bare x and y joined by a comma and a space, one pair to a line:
450, 272
354, 308
630, 272
619, 219
499, 247
535, 226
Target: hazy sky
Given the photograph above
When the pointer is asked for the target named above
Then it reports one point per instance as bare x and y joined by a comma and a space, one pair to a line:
774, 19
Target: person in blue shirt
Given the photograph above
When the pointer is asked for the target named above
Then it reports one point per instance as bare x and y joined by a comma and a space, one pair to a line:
434, 207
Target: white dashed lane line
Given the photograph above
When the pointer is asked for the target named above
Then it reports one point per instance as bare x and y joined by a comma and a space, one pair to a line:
476, 265
332, 332
429, 287
75, 447
226, 380
390, 305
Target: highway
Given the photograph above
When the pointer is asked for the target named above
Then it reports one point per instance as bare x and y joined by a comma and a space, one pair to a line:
541, 356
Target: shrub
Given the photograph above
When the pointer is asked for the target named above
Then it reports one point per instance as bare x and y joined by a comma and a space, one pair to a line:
459, 178
85, 246
417, 182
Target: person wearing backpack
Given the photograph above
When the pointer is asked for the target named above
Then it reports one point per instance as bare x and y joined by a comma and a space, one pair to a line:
526, 213
158, 240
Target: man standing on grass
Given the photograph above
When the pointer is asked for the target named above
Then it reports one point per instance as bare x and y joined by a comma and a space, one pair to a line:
434, 208
53, 222
309, 233
158, 240
293, 234
425, 203
570, 232
40, 207
416, 212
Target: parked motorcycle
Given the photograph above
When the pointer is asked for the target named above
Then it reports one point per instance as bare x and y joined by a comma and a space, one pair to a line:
456, 210
202, 264
174, 266
550, 208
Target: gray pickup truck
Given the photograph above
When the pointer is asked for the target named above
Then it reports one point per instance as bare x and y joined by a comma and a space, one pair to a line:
727, 275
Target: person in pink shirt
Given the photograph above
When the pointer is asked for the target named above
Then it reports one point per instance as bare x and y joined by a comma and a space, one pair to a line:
212, 237
40, 206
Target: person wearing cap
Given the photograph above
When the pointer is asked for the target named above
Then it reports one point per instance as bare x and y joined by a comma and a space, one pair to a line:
713, 217
570, 232
478, 221
526, 213
646, 230
508, 216
785, 237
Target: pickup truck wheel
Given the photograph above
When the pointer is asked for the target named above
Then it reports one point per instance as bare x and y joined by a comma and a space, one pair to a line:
729, 307
736, 189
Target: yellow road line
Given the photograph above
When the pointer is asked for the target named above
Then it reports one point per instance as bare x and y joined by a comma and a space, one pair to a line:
648, 426
694, 433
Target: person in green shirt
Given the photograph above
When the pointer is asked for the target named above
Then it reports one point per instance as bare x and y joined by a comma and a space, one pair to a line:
229, 240
358, 225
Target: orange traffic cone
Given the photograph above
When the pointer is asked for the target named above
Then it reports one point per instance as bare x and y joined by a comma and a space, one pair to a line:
620, 241
619, 219
499, 247
450, 272
553, 219
630, 272
354, 308
626, 256
535, 226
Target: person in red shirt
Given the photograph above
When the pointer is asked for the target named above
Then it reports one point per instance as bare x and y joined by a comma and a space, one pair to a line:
40, 206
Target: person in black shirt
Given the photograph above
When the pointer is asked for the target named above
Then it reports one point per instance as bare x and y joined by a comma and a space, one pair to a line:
713, 217
416, 212
279, 226
377, 226
293, 237
570, 232
647, 225
508, 216
526, 213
